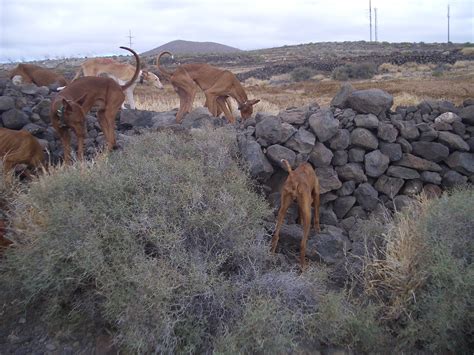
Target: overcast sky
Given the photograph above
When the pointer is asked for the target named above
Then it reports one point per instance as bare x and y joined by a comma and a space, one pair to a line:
39, 29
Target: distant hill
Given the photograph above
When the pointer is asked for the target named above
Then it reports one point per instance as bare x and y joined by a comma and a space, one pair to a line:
190, 47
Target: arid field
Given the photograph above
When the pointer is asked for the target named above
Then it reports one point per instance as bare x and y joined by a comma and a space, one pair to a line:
409, 84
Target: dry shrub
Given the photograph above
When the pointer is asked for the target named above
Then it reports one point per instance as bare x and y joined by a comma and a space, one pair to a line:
424, 278
417, 67
301, 74
467, 51
267, 327
266, 107
395, 277
285, 313
463, 64
354, 71
319, 77
164, 243
281, 78
345, 323
255, 82
405, 99
153, 240
386, 68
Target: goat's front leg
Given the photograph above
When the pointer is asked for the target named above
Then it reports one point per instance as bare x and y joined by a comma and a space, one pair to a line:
80, 131
65, 138
222, 105
211, 102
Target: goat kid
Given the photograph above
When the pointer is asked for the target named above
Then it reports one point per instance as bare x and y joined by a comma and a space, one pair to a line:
301, 185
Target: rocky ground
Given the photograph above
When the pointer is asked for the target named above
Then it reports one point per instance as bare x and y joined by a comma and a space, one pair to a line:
26, 333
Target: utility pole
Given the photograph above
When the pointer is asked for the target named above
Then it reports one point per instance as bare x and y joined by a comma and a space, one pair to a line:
370, 18
448, 25
130, 38
376, 24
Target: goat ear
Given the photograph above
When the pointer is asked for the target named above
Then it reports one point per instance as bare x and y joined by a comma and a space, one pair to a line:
66, 105
81, 100
253, 102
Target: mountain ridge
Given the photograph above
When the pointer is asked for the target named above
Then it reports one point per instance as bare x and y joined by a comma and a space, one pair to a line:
191, 47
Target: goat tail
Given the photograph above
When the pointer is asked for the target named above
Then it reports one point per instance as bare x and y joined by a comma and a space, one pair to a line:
287, 165
137, 69
166, 73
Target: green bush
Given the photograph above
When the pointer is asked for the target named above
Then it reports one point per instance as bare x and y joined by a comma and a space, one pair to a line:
301, 74
340, 322
425, 279
443, 319
440, 69
354, 71
153, 240
267, 327
164, 242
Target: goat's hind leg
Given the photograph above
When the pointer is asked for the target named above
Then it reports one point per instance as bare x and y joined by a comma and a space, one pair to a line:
316, 203
306, 219
285, 204
186, 90
106, 118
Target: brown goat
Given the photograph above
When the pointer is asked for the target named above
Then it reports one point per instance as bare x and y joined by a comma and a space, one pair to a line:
35, 74
70, 106
19, 147
217, 84
301, 185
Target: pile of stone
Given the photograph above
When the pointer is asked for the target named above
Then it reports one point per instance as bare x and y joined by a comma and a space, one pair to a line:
364, 154
27, 107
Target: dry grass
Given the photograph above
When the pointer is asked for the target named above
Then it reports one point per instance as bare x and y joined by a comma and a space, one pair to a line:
468, 51
397, 276
464, 64
406, 99
422, 277
409, 84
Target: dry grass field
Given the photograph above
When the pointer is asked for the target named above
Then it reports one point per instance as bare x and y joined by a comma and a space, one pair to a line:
409, 84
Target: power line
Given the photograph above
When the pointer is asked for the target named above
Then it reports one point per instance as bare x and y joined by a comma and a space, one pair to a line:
370, 18
448, 25
130, 38
376, 25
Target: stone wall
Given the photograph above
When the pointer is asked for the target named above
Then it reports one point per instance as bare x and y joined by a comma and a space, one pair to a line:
364, 153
